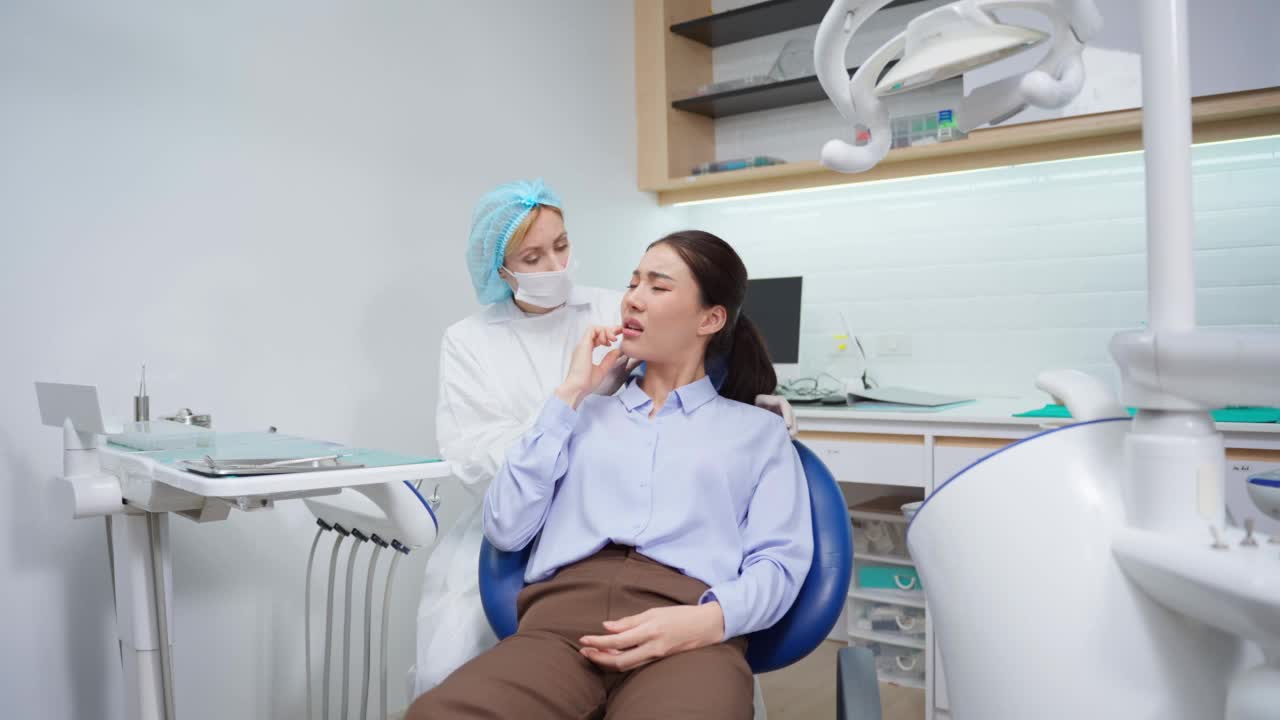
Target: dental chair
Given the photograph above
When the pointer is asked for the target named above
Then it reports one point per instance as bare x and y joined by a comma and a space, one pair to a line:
801, 629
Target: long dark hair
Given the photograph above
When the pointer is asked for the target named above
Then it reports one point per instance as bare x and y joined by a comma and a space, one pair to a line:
722, 280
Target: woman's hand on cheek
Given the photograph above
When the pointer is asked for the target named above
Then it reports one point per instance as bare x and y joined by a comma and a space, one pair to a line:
653, 634
583, 374
616, 376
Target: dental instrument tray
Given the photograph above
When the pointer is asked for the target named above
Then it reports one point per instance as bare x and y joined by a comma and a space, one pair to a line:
264, 466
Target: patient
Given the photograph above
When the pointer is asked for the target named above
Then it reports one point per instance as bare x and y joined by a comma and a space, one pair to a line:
668, 521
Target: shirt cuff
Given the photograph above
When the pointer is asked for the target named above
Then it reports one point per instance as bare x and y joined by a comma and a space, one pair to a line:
556, 419
730, 610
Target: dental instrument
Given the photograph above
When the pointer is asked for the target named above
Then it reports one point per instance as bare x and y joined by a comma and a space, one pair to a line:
138, 478
328, 621
306, 613
368, 624
368, 514
221, 468
386, 617
1188, 622
346, 623
186, 417
141, 401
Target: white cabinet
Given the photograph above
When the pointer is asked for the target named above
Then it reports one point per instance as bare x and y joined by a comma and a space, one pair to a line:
952, 455
889, 617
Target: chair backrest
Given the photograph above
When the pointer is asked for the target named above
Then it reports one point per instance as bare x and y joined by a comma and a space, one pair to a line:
804, 627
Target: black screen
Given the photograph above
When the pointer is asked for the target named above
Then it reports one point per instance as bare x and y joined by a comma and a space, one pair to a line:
773, 304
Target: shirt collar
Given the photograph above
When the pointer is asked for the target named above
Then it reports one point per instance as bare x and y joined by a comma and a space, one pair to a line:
506, 310
690, 397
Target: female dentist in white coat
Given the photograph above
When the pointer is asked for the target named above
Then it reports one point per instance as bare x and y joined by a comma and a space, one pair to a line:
496, 368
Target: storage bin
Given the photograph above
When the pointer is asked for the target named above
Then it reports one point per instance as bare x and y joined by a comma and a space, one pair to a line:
888, 577
883, 537
895, 664
900, 660
886, 617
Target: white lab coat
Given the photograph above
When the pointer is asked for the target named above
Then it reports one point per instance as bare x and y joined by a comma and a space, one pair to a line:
497, 368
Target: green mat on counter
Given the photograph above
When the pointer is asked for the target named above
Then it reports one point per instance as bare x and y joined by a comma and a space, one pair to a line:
1225, 415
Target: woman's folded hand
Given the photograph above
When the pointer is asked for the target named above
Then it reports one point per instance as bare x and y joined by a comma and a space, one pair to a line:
640, 639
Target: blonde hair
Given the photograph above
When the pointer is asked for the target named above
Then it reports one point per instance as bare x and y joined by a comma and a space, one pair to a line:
522, 230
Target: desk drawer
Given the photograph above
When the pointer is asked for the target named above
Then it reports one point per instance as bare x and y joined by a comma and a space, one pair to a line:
867, 458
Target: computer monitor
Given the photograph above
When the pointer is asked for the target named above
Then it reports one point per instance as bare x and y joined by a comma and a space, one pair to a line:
773, 304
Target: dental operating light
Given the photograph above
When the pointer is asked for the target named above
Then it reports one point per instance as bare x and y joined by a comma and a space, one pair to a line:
942, 44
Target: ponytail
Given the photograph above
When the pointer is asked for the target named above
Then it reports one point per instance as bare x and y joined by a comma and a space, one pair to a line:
749, 369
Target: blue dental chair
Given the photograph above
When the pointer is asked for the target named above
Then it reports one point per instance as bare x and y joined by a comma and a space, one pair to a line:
798, 633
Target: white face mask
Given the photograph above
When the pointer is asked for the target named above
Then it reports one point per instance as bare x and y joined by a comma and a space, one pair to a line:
543, 289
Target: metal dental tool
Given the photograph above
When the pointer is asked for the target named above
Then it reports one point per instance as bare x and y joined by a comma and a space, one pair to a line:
141, 401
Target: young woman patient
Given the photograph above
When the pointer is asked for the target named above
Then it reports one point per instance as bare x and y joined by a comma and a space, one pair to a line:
669, 520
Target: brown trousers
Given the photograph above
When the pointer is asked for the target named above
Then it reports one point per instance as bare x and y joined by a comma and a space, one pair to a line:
538, 672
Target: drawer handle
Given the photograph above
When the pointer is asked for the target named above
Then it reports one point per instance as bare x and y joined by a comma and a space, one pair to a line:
909, 666
907, 622
909, 585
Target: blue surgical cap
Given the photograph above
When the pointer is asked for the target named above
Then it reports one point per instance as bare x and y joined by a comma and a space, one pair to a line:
496, 217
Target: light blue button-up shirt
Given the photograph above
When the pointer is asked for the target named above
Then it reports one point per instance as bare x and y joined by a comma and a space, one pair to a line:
710, 487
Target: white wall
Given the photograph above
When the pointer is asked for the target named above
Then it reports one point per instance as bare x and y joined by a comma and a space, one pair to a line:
994, 276
267, 203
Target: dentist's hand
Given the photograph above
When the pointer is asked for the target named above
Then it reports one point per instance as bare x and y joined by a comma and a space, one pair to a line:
640, 639
779, 405
585, 375
616, 376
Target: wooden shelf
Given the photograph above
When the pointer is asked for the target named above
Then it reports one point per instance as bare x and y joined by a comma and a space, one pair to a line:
757, 20
1229, 116
797, 91
669, 67
670, 142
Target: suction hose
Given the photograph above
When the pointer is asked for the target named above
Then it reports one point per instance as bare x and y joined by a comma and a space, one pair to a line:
311, 558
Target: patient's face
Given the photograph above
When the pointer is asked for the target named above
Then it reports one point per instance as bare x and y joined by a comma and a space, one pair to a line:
662, 309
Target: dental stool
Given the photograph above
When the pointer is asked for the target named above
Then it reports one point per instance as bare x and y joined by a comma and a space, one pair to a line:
801, 629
